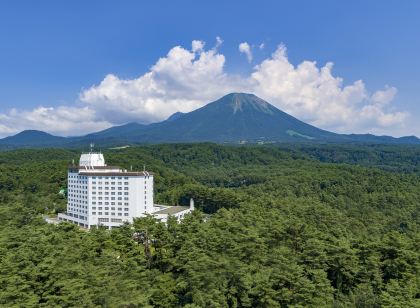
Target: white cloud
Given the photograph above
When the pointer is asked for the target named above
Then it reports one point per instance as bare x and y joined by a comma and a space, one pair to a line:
184, 80
197, 46
261, 46
246, 49
181, 81
384, 97
61, 120
314, 95
219, 42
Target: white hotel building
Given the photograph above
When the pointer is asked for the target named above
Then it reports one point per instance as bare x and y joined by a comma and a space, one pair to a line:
108, 195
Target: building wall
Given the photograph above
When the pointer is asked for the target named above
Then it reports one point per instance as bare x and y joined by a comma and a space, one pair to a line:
179, 216
78, 197
108, 200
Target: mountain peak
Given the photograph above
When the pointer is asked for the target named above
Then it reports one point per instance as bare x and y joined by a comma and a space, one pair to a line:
31, 137
241, 102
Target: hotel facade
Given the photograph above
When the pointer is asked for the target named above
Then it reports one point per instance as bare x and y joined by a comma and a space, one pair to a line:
101, 195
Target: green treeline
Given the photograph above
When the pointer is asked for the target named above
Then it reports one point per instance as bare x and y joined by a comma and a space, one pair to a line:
277, 226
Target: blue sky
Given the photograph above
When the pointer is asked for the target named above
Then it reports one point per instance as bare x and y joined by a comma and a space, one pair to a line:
52, 52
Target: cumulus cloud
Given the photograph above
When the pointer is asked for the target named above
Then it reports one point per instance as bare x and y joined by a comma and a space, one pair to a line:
60, 120
384, 97
181, 81
186, 79
245, 48
314, 95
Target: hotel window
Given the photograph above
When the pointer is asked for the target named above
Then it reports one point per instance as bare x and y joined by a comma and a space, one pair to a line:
93, 213
125, 183
126, 209
93, 207
112, 208
100, 208
125, 214
106, 208
106, 213
125, 198
112, 203
94, 202
119, 214
119, 209
119, 203
99, 213
100, 203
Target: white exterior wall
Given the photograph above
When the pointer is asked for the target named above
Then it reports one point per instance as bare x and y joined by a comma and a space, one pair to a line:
78, 198
141, 195
102, 199
179, 216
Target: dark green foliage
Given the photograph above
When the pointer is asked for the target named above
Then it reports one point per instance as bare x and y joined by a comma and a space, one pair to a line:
289, 226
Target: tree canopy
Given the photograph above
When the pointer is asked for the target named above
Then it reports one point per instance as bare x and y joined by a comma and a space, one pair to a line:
276, 226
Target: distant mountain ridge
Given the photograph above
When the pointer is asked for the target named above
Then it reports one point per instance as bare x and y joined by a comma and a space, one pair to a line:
234, 118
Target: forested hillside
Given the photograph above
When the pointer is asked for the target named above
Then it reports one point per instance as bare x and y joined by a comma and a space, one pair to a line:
279, 226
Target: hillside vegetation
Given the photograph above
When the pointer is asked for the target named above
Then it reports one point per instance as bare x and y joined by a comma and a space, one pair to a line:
289, 226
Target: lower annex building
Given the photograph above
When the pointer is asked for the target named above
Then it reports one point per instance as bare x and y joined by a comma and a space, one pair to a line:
98, 194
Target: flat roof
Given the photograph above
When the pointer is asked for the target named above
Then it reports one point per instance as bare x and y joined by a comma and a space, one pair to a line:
121, 173
172, 210
93, 167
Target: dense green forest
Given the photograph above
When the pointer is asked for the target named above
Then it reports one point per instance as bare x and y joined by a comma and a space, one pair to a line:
277, 226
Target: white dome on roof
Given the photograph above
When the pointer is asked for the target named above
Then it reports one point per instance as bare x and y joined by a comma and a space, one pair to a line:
92, 160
